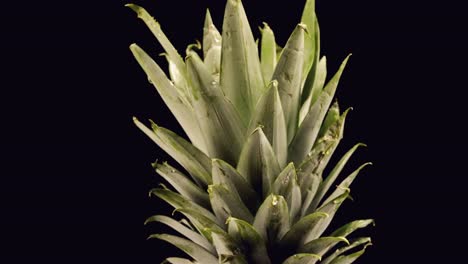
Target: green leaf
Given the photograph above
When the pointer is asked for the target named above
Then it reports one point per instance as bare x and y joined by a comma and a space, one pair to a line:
228, 251
272, 219
320, 246
246, 235
345, 183
155, 28
183, 204
226, 202
330, 209
351, 227
310, 41
366, 241
310, 127
297, 235
177, 261
204, 224
332, 118
310, 97
191, 158
302, 258
217, 117
268, 52
269, 115
175, 101
183, 230
287, 186
178, 80
195, 251
212, 47
312, 181
327, 183
182, 184
288, 73
258, 162
223, 173
241, 74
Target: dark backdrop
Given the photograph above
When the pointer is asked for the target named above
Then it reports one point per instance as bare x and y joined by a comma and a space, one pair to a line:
76, 171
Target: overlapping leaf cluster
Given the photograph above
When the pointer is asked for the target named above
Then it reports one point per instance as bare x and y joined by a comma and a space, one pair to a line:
262, 130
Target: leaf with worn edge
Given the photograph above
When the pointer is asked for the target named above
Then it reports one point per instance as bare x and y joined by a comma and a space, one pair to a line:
272, 219
216, 115
191, 158
183, 230
268, 52
346, 183
320, 246
330, 209
245, 234
226, 202
182, 110
302, 258
327, 183
288, 73
224, 173
228, 250
179, 202
366, 241
212, 47
308, 130
269, 115
182, 184
241, 74
297, 235
192, 249
258, 163
287, 186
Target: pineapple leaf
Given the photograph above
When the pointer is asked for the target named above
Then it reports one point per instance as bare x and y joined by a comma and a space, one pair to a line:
331, 118
241, 75
334, 258
246, 234
320, 246
327, 183
286, 185
351, 227
302, 258
269, 115
183, 230
182, 110
179, 80
177, 261
228, 251
182, 204
191, 158
155, 28
212, 47
192, 249
310, 127
309, 98
296, 236
223, 173
330, 209
182, 184
258, 162
217, 117
345, 183
288, 74
272, 219
203, 223
268, 52
226, 202
313, 182
311, 40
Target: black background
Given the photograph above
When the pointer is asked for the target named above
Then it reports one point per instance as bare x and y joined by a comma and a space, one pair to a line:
76, 171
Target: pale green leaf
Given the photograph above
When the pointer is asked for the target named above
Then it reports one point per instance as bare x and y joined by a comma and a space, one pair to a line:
212, 47
191, 158
258, 163
268, 52
287, 186
182, 184
351, 227
177, 261
312, 183
288, 73
302, 258
226, 203
223, 173
205, 224
297, 235
241, 74
272, 218
320, 246
309, 98
192, 249
175, 101
216, 115
366, 241
183, 230
310, 127
269, 115
332, 117
310, 40
246, 235
228, 250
